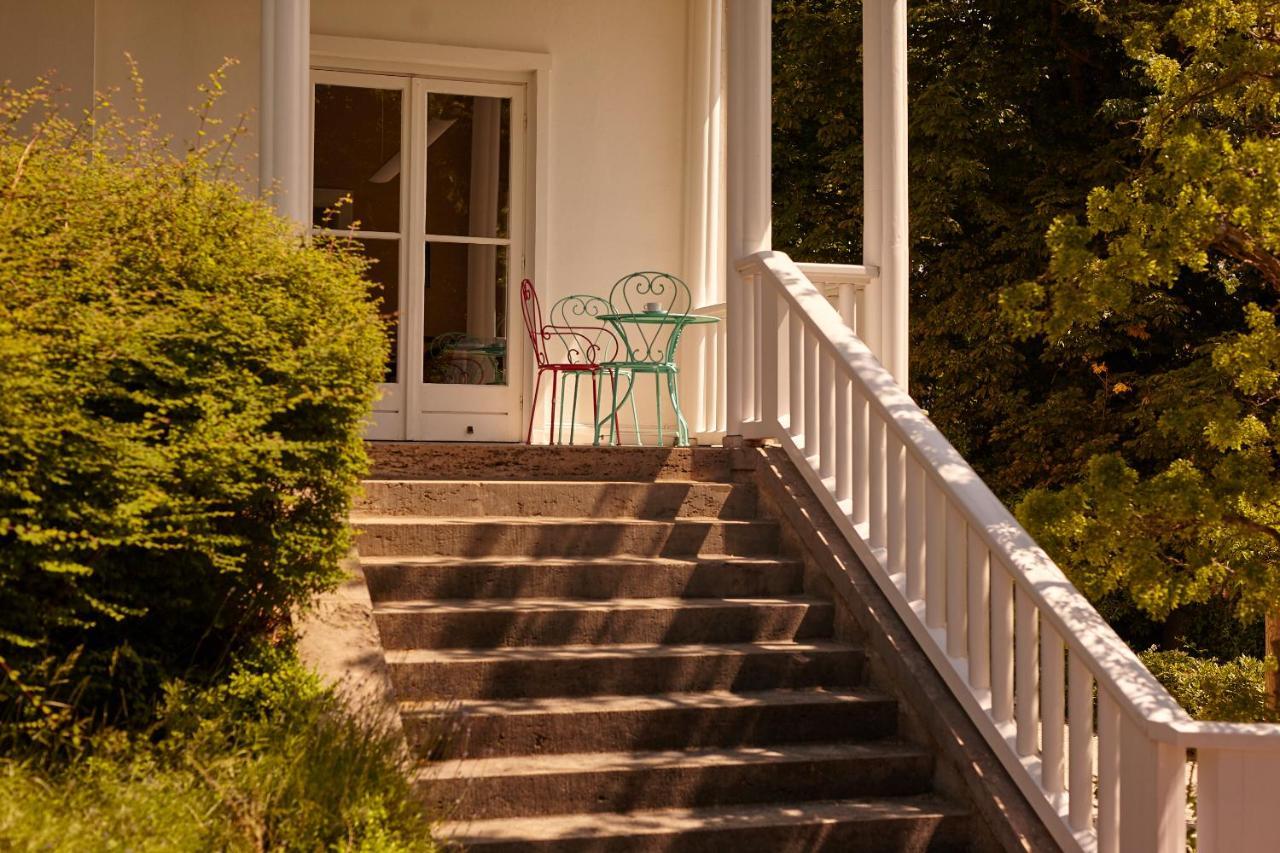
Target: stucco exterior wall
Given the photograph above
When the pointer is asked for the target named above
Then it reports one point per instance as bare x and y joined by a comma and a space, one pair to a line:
176, 43
617, 117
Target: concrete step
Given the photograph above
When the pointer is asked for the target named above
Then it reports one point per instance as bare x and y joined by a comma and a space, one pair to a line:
562, 537
522, 786
487, 623
405, 460
397, 578
558, 498
486, 728
920, 824
457, 674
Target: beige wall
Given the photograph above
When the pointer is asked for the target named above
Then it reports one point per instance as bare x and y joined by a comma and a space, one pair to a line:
175, 42
51, 38
617, 124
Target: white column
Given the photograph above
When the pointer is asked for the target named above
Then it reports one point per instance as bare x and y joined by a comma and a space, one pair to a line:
705, 253
885, 238
286, 106
749, 172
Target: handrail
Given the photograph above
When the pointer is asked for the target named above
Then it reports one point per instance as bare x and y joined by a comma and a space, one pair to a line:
977, 591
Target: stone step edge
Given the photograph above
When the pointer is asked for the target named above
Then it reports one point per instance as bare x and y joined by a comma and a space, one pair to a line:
533, 521
550, 764
709, 700
559, 605
605, 825
452, 561
620, 651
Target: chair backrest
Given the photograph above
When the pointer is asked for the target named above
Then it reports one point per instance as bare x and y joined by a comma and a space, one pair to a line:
653, 342
586, 339
532, 312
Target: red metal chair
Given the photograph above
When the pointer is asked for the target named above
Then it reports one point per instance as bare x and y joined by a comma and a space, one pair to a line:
578, 351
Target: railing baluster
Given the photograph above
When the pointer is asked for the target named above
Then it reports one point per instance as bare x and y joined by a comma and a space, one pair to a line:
795, 372
1001, 643
935, 555
765, 359
1080, 745
861, 455
771, 356
1108, 773
895, 503
826, 415
1052, 698
913, 557
782, 347
957, 586
1026, 674
979, 613
844, 440
811, 424
875, 480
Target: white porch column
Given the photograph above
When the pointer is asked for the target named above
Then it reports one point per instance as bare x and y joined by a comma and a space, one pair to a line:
286, 106
884, 135
749, 170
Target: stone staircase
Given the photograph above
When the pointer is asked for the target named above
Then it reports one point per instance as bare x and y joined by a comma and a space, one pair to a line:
629, 658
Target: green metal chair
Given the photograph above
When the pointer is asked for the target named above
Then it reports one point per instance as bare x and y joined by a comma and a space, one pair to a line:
649, 309
575, 320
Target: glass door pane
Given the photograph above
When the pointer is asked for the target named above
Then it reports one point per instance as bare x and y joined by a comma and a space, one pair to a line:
357, 157
467, 240
356, 184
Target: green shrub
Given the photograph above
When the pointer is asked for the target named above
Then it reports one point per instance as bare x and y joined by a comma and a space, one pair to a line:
183, 386
267, 759
1235, 691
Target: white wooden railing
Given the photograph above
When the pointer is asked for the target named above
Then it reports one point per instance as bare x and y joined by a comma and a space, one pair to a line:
703, 347
1025, 653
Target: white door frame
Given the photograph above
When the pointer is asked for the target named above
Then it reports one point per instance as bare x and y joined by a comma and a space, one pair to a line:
465, 412
408, 59
389, 409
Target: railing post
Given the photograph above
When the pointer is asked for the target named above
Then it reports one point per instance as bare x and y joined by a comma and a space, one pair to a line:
1236, 799
1153, 793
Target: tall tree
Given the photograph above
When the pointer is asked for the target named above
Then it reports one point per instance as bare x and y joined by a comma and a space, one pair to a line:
1170, 285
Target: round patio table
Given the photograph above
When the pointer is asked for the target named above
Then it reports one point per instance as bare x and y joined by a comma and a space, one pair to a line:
650, 362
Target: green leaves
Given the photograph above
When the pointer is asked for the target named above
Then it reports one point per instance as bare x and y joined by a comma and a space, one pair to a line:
183, 386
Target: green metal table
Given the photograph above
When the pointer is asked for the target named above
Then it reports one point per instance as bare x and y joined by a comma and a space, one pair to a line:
655, 357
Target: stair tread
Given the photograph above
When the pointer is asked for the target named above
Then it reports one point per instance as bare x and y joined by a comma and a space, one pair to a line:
608, 762
618, 651
534, 605
454, 561
707, 700
471, 520
684, 481
667, 821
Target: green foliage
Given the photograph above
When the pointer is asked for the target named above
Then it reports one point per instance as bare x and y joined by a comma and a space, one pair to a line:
1235, 691
268, 759
1121, 374
183, 384
1183, 256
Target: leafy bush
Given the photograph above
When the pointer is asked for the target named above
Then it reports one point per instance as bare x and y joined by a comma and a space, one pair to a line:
268, 759
183, 384
1235, 691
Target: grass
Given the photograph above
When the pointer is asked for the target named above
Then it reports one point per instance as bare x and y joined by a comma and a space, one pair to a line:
266, 759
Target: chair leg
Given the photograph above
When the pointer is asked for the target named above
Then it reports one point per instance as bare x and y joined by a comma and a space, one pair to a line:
533, 407
595, 410
555, 378
657, 400
635, 416
573, 411
682, 425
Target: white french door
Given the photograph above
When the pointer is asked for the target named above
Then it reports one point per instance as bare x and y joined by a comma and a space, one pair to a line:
434, 171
